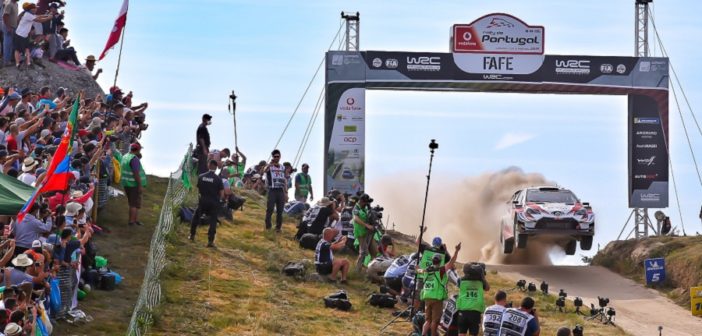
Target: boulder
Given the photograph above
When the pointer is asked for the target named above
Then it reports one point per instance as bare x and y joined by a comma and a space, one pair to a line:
52, 76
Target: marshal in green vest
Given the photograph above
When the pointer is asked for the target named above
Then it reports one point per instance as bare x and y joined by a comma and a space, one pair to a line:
304, 182
435, 286
425, 262
470, 296
128, 179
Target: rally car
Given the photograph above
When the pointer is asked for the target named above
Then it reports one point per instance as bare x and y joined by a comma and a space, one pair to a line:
547, 210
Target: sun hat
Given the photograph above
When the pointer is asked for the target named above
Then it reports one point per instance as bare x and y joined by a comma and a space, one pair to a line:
28, 164
22, 260
325, 201
13, 329
72, 209
44, 133
90, 58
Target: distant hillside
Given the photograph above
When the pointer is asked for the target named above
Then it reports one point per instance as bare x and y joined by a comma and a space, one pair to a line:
683, 258
52, 76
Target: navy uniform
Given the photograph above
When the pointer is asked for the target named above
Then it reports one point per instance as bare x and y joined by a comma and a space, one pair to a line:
211, 189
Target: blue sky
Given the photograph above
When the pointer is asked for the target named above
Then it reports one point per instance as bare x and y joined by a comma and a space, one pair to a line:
185, 58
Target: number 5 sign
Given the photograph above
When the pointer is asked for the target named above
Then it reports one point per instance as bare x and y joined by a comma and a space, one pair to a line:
655, 270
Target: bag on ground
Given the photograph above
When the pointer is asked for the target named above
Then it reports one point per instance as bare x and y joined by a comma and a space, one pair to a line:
382, 300
338, 300
294, 268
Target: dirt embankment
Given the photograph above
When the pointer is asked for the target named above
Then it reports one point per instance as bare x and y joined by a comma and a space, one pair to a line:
683, 259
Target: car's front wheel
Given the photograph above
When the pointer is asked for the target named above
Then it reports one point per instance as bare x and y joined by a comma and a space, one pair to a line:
520, 237
507, 245
571, 246
586, 243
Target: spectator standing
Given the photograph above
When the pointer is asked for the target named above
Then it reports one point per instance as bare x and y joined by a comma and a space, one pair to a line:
202, 139
133, 181
10, 15
434, 291
277, 190
493, 315
211, 190
303, 185
29, 230
89, 66
522, 321
362, 230
21, 40
324, 260
28, 175
470, 303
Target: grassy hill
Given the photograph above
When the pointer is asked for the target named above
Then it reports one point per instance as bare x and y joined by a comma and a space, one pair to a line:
126, 248
238, 288
683, 258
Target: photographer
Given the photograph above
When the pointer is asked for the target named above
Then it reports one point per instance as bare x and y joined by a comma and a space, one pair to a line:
522, 321
362, 229
493, 315
471, 302
434, 291
563, 331
324, 260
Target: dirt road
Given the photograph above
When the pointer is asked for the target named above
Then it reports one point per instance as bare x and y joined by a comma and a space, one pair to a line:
639, 310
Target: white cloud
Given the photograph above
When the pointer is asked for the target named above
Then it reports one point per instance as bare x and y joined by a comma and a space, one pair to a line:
513, 139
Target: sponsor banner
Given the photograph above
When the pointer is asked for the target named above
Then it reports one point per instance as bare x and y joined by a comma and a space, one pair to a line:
696, 301
574, 69
648, 157
346, 151
498, 33
655, 270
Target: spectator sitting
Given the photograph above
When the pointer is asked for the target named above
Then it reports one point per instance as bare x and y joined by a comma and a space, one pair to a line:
320, 216
324, 260
59, 49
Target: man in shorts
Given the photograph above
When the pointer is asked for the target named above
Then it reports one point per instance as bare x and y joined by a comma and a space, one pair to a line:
434, 291
133, 180
324, 260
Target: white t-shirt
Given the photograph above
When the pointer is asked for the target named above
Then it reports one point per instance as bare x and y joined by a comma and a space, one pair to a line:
27, 178
25, 24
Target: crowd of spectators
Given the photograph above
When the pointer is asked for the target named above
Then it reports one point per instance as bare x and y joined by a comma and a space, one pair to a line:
54, 241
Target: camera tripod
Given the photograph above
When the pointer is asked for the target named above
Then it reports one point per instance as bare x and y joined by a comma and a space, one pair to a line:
603, 315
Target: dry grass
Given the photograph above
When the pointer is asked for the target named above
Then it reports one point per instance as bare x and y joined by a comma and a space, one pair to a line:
238, 289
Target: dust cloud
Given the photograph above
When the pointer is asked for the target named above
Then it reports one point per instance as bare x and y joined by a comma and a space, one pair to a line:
467, 210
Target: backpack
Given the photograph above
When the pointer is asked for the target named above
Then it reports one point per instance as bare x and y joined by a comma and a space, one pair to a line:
309, 241
338, 300
294, 268
186, 214
235, 202
382, 300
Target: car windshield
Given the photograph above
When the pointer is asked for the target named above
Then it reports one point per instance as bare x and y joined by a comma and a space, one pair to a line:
551, 196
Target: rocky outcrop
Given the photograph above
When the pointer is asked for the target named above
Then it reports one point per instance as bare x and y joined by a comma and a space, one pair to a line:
52, 76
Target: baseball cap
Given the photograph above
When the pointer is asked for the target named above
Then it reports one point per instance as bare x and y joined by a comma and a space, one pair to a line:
367, 198
436, 242
14, 96
206, 116
36, 244
135, 146
44, 133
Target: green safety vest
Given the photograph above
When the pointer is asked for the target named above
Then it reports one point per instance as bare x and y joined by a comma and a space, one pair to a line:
470, 296
425, 262
304, 185
128, 179
358, 229
435, 286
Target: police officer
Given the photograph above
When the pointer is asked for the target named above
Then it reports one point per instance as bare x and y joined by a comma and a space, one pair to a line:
470, 302
211, 191
493, 315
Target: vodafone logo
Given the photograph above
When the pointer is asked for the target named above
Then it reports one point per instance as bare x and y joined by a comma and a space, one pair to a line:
467, 36
350, 101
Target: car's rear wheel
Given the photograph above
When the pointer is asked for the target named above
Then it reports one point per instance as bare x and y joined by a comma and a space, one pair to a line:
520, 237
586, 243
507, 245
571, 246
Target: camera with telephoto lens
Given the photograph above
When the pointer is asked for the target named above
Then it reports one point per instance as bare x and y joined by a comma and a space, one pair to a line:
578, 330
521, 284
562, 293
560, 302
531, 288
603, 301
578, 302
474, 271
375, 216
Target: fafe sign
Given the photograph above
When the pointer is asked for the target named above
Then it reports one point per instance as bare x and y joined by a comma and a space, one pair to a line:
655, 270
498, 33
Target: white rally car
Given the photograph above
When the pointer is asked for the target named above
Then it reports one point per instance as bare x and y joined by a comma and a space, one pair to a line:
547, 210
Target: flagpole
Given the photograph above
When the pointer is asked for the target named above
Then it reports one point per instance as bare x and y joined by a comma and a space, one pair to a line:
119, 58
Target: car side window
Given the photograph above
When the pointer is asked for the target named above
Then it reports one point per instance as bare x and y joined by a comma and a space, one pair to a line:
515, 197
